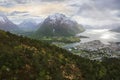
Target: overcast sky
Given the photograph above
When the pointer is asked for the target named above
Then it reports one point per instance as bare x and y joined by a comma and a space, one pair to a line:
86, 12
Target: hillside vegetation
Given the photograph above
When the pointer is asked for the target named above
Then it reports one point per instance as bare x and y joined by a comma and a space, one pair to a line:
22, 58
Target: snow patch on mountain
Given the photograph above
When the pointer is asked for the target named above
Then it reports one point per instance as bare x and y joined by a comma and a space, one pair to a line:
6, 24
2, 19
57, 17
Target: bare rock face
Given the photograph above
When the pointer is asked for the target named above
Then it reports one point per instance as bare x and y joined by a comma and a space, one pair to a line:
59, 25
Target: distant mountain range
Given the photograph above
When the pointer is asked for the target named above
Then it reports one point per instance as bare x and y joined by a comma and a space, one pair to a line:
54, 25
28, 25
59, 25
116, 29
6, 24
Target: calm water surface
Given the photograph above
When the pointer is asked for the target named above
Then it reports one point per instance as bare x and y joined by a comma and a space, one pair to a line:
104, 35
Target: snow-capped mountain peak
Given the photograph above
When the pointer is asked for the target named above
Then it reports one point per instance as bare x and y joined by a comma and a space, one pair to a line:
56, 17
6, 24
2, 19
59, 25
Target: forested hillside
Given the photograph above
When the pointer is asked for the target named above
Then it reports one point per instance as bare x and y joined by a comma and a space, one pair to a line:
22, 58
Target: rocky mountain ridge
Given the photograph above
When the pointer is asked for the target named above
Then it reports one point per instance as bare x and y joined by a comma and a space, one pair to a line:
6, 24
59, 25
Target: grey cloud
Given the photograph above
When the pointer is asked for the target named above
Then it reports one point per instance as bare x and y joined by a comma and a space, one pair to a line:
12, 3
108, 4
21, 1
84, 7
90, 8
25, 14
7, 4
28, 1
98, 4
18, 13
53, 0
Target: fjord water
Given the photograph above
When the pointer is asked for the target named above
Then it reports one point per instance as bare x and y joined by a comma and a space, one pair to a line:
104, 35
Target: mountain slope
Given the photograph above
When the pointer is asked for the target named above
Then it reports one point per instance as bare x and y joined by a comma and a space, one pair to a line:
28, 25
59, 25
116, 29
26, 59
6, 24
